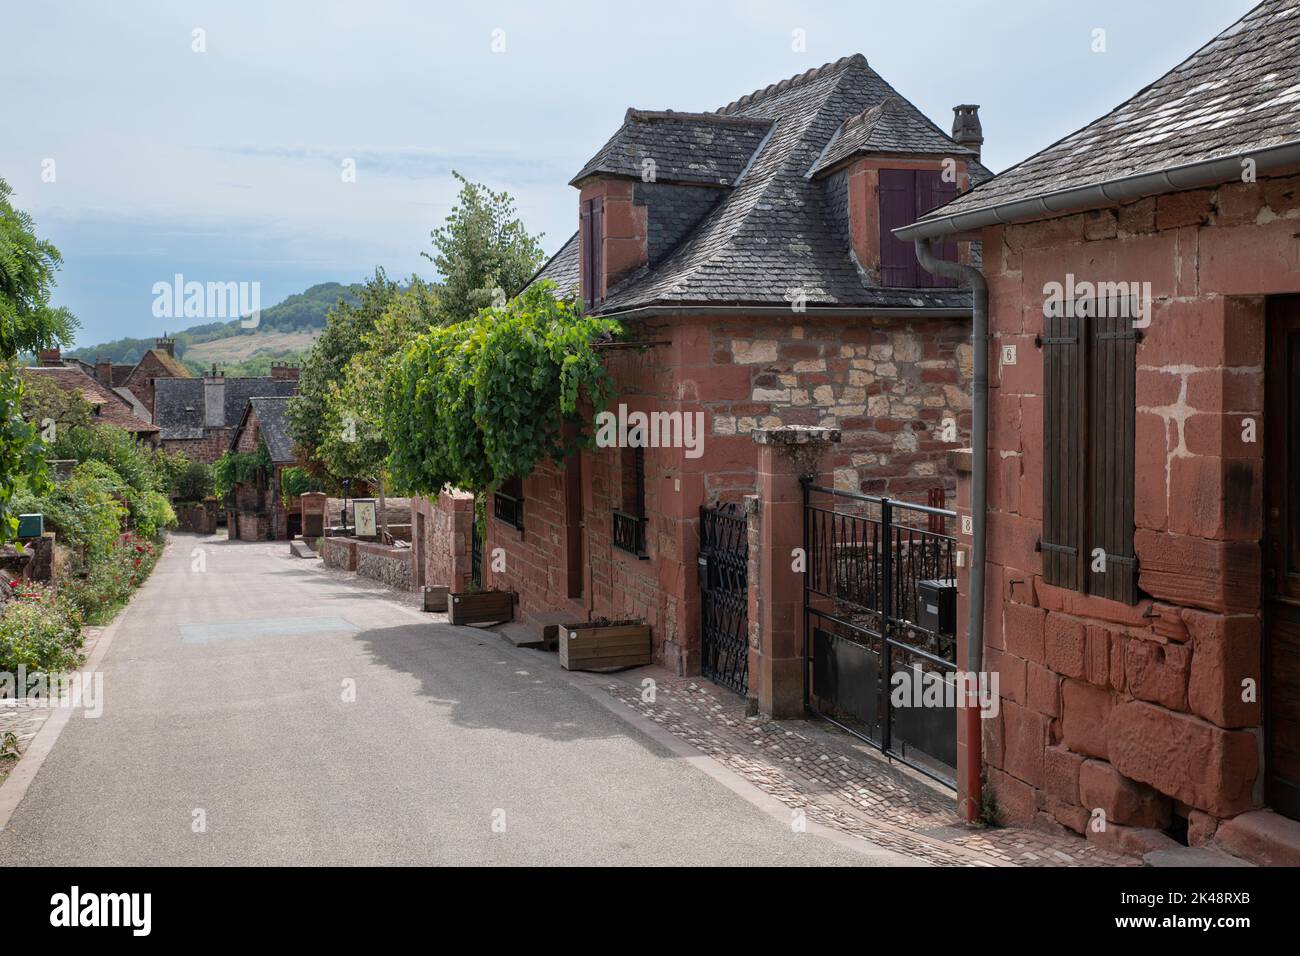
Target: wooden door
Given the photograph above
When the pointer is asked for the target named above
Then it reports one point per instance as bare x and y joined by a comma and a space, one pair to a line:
1281, 598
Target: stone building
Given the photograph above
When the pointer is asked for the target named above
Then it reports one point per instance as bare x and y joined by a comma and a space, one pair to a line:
259, 511
1143, 563
196, 416
749, 254
107, 404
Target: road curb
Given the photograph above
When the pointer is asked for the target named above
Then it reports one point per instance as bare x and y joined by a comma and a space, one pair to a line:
20, 778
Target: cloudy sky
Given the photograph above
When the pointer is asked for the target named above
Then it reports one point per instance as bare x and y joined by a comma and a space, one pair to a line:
226, 164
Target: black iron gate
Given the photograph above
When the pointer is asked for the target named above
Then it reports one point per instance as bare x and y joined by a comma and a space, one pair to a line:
880, 640
724, 596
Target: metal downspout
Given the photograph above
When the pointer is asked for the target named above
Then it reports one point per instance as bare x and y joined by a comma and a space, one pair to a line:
972, 278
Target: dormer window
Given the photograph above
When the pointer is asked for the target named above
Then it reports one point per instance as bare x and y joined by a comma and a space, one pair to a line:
592, 235
905, 196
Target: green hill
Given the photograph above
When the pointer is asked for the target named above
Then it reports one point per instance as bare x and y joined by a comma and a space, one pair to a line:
285, 333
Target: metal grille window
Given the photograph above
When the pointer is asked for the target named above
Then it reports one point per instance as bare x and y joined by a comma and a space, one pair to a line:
508, 503
1089, 372
629, 521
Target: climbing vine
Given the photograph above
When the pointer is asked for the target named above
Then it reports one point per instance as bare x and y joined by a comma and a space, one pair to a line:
239, 468
476, 402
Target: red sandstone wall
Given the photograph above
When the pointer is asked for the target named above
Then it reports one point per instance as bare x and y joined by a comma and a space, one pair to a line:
887, 383
1138, 710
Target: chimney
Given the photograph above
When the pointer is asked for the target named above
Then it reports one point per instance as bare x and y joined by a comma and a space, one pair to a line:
49, 358
165, 345
104, 371
284, 370
214, 400
966, 128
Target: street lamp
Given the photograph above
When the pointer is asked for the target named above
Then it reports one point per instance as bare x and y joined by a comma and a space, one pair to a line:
347, 488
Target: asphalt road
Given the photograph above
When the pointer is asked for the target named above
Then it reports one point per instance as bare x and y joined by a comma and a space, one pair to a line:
225, 703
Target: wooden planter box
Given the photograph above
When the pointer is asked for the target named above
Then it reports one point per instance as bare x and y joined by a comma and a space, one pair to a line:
435, 597
586, 647
481, 607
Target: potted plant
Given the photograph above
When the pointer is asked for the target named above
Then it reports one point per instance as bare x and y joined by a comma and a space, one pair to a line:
601, 644
481, 607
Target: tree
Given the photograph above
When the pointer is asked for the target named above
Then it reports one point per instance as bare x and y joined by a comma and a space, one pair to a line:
477, 402
28, 323
483, 252
43, 403
354, 442
345, 327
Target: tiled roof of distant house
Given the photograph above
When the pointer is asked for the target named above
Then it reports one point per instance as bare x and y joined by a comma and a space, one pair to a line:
770, 233
1236, 96
110, 409
179, 403
273, 419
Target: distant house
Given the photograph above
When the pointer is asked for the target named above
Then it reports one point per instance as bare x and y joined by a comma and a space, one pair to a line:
107, 405
1143, 507
196, 416
259, 512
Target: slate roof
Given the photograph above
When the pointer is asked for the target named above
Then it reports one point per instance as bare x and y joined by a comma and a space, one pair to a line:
1238, 94
891, 126
773, 235
111, 409
702, 148
562, 269
273, 419
178, 403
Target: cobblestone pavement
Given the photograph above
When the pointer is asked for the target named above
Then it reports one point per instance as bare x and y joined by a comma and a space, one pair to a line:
24, 717
840, 782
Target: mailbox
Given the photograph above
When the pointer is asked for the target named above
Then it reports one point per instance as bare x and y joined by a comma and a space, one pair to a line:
31, 526
936, 605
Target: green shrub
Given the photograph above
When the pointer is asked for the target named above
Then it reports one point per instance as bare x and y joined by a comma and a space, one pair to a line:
194, 482
39, 631
97, 588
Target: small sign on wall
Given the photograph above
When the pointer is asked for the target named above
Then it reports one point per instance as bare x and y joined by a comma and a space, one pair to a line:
363, 511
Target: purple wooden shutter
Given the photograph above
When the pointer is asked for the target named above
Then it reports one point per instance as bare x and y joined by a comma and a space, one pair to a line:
931, 193
898, 265
584, 251
597, 249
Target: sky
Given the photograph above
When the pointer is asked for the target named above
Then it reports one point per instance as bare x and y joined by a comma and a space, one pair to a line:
212, 139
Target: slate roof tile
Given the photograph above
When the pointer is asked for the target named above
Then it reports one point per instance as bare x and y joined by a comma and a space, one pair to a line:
1237, 94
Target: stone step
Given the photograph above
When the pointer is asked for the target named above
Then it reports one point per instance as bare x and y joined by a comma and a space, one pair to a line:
520, 634
301, 549
1262, 837
1195, 856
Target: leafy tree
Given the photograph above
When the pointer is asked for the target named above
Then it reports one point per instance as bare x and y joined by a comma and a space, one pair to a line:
43, 402
194, 483
28, 323
483, 252
477, 402
353, 444
345, 327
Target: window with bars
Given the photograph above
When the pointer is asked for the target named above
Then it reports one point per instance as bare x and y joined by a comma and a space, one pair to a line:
905, 196
591, 231
1089, 351
630, 520
508, 503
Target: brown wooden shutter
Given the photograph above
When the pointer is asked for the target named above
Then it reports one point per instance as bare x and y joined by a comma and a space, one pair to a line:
1064, 425
1112, 364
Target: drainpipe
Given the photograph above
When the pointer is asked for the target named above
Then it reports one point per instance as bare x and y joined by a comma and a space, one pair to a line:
971, 277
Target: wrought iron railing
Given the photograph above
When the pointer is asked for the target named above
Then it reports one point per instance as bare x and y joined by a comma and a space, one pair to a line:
629, 533
878, 572
508, 509
476, 555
